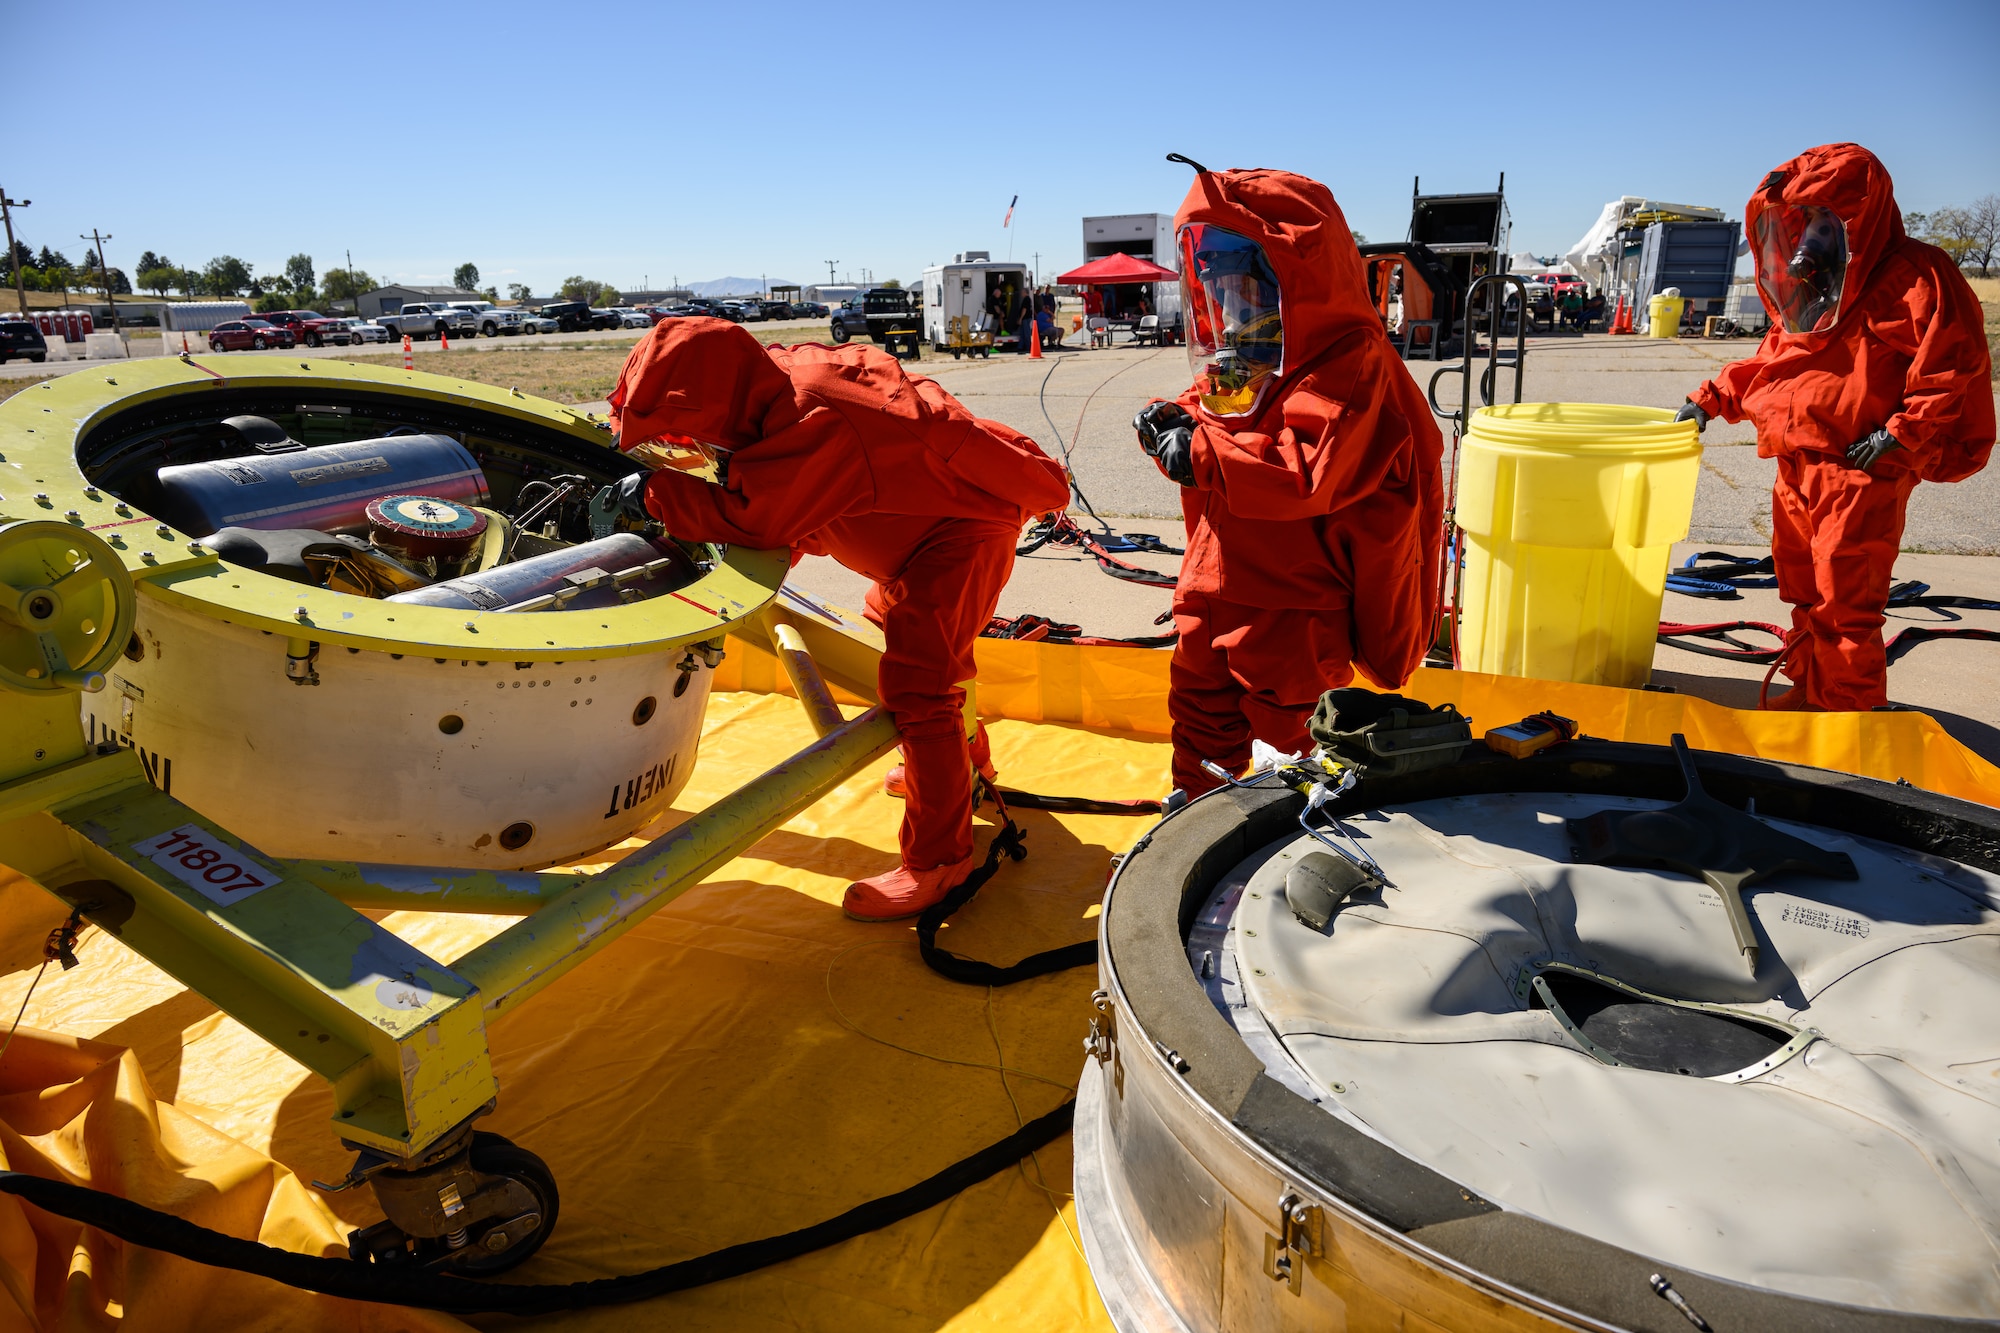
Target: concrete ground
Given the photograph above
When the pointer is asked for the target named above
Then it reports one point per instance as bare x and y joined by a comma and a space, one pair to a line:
1083, 401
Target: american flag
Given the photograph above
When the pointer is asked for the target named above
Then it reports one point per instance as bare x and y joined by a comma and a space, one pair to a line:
1009, 219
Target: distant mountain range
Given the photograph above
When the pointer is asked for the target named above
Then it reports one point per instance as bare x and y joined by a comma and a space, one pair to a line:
732, 286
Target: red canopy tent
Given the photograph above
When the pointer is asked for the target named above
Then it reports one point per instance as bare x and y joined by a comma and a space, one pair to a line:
1116, 269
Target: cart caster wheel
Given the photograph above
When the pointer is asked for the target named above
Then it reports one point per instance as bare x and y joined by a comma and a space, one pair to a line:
502, 1238
505, 1244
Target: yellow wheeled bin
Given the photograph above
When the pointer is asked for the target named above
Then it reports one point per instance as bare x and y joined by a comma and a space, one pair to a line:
1663, 314
1570, 512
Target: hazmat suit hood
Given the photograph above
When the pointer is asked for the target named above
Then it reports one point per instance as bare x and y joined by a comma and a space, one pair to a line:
1849, 182
1322, 288
701, 379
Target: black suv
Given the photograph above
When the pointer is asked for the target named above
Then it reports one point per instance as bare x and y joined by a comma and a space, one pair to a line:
570, 316
20, 338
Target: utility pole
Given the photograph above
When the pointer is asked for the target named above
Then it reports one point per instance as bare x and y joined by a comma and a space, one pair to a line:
104, 269
352, 286
829, 268
6, 211
1035, 273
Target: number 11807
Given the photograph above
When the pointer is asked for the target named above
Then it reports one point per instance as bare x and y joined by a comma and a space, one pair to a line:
221, 873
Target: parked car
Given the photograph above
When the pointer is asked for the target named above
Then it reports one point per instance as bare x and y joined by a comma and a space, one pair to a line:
777, 309
569, 316
539, 321
492, 320
20, 338
310, 327
809, 310
244, 335
431, 319
364, 331
714, 309
603, 317
630, 317
747, 312
849, 321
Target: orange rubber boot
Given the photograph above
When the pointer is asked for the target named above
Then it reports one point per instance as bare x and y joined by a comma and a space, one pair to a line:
902, 892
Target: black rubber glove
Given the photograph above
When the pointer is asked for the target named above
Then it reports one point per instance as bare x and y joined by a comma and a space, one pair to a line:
1689, 412
632, 496
1175, 454
1865, 454
1154, 418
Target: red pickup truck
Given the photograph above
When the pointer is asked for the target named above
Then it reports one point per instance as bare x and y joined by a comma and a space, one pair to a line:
310, 327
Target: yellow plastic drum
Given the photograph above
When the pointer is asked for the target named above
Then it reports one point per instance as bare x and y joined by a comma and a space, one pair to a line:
1570, 512
1663, 316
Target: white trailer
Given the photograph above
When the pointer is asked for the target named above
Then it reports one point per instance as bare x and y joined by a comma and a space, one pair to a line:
971, 285
1147, 236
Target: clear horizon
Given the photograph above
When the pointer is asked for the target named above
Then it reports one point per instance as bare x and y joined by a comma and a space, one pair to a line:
693, 144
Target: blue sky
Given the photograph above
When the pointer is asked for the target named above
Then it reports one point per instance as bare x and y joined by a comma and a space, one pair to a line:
630, 142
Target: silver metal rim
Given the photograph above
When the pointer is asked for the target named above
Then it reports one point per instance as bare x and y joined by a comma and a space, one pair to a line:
1123, 1284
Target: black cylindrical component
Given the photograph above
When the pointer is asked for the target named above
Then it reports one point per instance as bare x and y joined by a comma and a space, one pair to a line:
326, 488
525, 580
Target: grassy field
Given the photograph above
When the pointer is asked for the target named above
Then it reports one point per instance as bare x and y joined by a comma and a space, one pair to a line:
575, 373
10, 387
579, 372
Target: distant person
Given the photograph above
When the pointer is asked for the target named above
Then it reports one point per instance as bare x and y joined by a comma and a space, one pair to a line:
1875, 375
1093, 301
1572, 306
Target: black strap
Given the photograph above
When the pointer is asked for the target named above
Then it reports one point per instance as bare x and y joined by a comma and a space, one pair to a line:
1009, 841
137, 1224
1916, 634
1077, 805
1063, 531
1689, 638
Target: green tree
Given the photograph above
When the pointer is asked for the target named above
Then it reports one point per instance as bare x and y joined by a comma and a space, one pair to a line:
342, 284
159, 277
466, 277
893, 283
31, 278
148, 260
226, 275
518, 292
58, 278
299, 273
49, 259
1983, 233
20, 257
273, 301
608, 295
578, 288
491, 295
1954, 231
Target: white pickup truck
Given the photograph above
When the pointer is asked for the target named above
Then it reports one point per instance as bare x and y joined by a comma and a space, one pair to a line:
430, 319
493, 321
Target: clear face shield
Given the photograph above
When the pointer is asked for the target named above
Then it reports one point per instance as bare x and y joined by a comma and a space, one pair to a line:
1801, 264
709, 462
1235, 331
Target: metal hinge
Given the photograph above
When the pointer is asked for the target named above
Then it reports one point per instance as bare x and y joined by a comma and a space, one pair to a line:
1103, 1027
1299, 1223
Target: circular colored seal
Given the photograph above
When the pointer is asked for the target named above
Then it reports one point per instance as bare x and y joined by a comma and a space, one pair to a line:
420, 527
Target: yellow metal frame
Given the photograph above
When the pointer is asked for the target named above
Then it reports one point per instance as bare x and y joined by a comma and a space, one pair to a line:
400, 1036
40, 428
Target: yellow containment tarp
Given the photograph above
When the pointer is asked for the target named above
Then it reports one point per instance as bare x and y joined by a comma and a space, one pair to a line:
746, 1062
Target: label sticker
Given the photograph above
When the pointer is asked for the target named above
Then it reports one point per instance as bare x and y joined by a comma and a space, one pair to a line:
1820, 919
326, 472
219, 872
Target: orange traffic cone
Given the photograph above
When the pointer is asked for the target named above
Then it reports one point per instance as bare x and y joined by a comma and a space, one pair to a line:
409, 361
184, 344
1621, 320
444, 342
1034, 340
